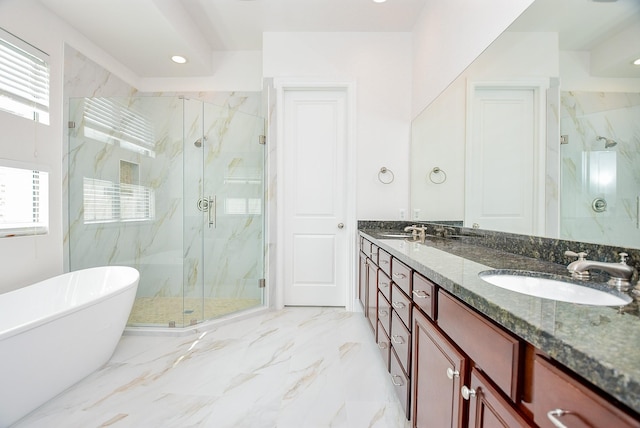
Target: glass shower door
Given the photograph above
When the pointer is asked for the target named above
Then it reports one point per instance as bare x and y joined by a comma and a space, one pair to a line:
230, 205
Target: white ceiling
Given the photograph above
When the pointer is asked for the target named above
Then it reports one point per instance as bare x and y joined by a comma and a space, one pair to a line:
608, 29
143, 34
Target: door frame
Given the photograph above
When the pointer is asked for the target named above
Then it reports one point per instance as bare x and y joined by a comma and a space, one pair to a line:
348, 87
539, 88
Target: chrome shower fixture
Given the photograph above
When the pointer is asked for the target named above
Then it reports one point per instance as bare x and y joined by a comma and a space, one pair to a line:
198, 142
608, 142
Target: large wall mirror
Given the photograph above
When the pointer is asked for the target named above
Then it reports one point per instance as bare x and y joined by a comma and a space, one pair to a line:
540, 135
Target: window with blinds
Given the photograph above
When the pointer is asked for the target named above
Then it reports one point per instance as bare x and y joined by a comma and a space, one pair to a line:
109, 202
24, 202
24, 79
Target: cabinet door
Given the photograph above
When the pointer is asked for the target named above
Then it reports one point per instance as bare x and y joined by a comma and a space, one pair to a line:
558, 396
488, 408
372, 294
438, 371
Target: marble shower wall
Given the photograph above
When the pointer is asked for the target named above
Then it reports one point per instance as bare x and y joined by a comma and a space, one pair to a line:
592, 171
228, 259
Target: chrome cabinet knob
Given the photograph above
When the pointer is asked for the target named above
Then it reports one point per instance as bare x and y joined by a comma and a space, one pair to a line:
467, 393
451, 373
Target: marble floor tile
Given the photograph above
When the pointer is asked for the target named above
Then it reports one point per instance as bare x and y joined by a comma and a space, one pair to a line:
294, 368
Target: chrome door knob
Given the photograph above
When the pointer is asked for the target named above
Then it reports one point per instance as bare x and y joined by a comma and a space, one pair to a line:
340, 225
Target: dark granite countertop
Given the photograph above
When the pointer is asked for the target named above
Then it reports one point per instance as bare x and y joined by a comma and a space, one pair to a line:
596, 342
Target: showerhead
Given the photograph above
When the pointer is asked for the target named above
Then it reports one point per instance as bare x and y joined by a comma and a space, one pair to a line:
608, 142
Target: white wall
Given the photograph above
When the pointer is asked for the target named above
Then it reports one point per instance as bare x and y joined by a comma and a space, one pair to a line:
380, 66
25, 260
449, 35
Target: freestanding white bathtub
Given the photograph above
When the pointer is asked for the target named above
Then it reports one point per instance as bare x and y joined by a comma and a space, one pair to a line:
58, 331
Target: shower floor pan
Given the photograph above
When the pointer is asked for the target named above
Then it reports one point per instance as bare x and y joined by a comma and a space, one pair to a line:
170, 312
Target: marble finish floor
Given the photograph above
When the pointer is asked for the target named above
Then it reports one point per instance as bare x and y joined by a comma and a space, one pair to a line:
294, 368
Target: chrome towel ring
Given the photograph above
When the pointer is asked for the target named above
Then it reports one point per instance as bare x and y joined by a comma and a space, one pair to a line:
385, 175
437, 176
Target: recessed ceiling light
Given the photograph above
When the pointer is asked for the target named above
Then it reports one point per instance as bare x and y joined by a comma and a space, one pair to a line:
379, 1
636, 62
178, 59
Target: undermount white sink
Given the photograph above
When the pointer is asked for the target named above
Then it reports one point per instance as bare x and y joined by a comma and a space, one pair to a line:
553, 287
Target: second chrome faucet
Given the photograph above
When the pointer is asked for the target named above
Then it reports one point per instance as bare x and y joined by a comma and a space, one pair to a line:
620, 273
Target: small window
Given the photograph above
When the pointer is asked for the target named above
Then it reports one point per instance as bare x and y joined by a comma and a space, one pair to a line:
24, 79
24, 201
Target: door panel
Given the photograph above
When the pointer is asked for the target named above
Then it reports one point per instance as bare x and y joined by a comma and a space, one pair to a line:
500, 193
314, 152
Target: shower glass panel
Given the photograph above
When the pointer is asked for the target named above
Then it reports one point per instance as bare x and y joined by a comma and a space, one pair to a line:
157, 183
600, 192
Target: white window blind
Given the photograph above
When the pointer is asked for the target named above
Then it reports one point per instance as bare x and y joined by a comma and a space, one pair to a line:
24, 202
105, 202
24, 79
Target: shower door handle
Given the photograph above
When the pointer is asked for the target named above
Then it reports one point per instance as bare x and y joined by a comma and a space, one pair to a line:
212, 208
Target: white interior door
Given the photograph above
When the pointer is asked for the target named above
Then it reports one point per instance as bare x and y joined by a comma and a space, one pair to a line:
315, 239
502, 161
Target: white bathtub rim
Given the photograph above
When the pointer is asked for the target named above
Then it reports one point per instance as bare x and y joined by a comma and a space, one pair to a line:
20, 328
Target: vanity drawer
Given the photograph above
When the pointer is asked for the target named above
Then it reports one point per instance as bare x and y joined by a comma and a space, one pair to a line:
384, 261
400, 382
492, 349
401, 341
384, 345
373, 254
365, 247
401, 305
423, 295
401, 275
384, 284
384, 313
554, 389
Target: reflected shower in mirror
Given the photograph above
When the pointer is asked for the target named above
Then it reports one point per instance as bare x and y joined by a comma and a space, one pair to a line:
562, 72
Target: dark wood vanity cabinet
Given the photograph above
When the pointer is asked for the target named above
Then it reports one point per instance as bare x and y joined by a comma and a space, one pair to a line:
453, 359
452, 366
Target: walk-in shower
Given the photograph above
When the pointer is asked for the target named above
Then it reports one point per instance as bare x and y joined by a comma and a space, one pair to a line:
599, 193
175, 188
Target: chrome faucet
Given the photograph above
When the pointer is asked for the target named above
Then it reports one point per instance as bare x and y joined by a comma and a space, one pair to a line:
417, 232
620, 273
